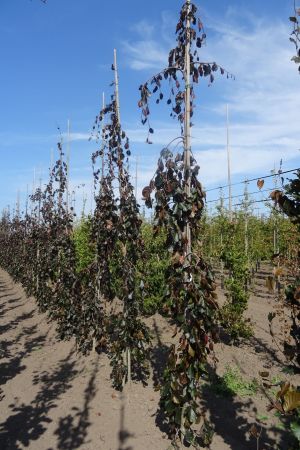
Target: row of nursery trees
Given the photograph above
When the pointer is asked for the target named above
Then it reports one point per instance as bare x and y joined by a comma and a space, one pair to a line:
98, 279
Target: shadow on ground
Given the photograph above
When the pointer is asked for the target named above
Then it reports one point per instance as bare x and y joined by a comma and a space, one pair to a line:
72, 430
230, 418
28, 422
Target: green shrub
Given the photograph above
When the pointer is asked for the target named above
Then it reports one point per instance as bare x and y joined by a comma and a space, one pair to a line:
231, 315
152, 269
232, 383
84, 248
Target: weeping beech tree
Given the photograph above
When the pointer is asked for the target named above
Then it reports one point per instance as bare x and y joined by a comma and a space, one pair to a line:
56, 284
117, 227
179, 202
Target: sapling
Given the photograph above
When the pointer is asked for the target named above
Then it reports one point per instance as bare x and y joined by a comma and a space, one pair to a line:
130, 337
179, 202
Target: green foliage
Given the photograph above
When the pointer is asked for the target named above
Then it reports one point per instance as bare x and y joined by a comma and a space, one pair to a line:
234, 323
84, 247
231, 315
289, 203
152, 264
152, 268
295, 427
179, 203
232, 383
260, 234
190, 295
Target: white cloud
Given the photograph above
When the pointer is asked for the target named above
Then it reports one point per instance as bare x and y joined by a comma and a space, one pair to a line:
144, 54
263, 101
143, 28
76, 136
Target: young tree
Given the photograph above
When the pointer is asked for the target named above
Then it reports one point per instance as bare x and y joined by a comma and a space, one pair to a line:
289, 202
121, 229
179, 202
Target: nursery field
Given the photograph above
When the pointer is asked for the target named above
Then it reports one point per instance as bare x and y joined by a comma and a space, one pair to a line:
167, 323
54, 398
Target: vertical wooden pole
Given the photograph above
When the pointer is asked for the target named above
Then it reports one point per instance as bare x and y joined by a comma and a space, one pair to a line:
127, 354
187, 122
26, 204
136, 175
33, 189
103, 139
246, 203
118, 115
98, 291
117, 87
18, 205
51, 159
68, 165
38, 243
187, 151
221, 236
229, 165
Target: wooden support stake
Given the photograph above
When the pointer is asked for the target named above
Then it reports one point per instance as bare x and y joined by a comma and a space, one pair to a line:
187, 123
229, 166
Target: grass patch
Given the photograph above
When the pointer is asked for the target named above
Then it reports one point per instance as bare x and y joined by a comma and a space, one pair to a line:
232, 383
262, 417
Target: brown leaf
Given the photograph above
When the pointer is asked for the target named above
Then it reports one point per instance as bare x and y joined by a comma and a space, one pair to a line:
191, 351
284, 389
291, 401
264, 374
270, 283
278, 406
278, 271
276, 196
183, 379
254, 431
260, 183
146, 192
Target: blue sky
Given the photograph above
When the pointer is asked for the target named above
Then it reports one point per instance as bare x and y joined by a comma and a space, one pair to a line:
56, 60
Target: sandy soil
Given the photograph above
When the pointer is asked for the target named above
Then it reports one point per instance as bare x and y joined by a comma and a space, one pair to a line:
53, 398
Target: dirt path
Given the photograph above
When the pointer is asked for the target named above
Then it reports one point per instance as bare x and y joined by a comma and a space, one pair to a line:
54, 398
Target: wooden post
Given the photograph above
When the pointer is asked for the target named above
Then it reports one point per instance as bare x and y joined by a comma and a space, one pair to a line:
117, 87
221, 237
18, 205
68, 166
127, 354
229, 166
118, 114
246, 204
187, 148
38, 244
26, 204
103, 139
187, 123
98, 292
51, 159
136, 175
